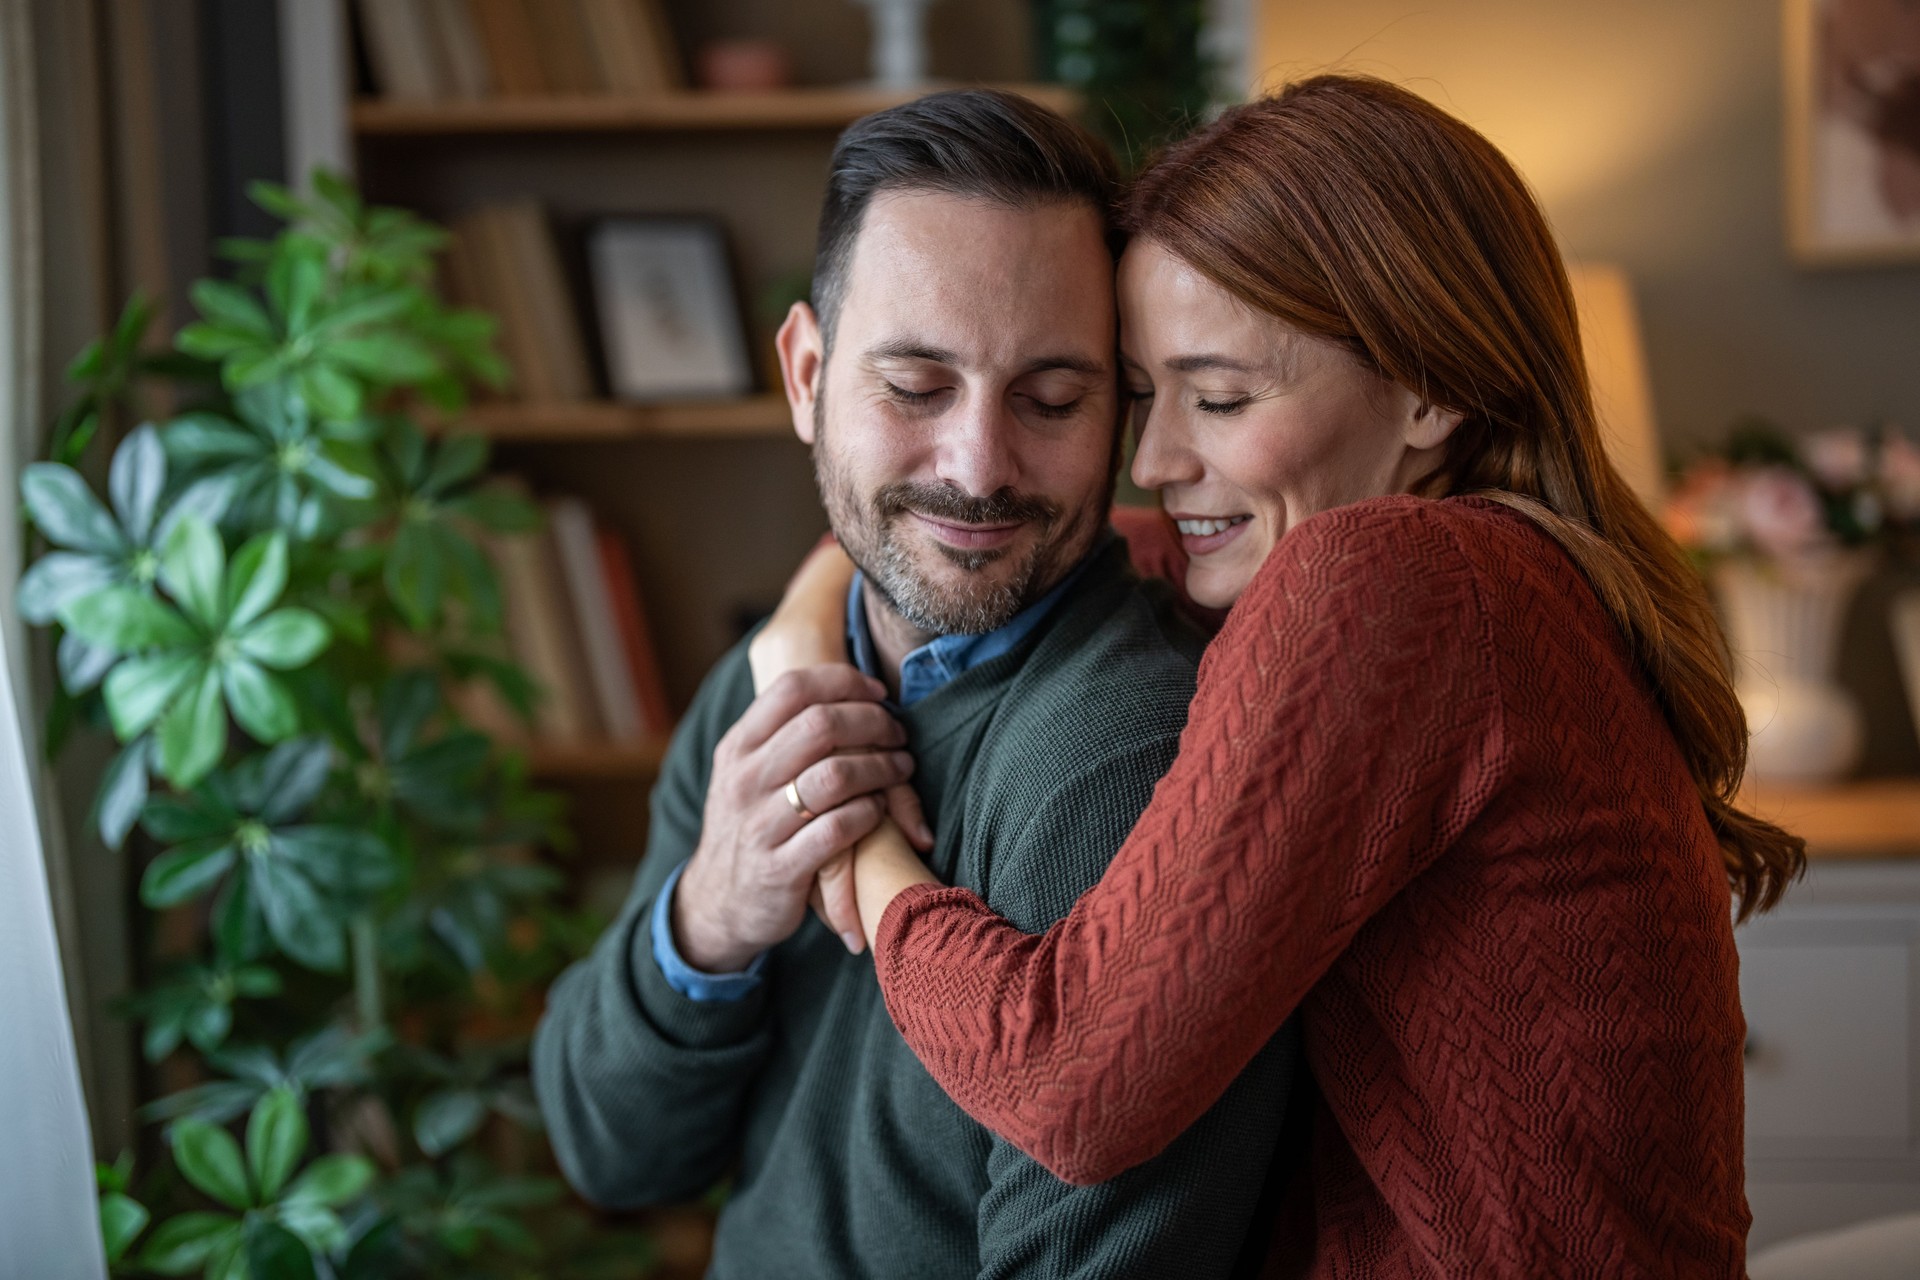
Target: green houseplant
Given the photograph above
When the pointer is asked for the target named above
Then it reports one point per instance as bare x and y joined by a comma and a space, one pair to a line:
268, 612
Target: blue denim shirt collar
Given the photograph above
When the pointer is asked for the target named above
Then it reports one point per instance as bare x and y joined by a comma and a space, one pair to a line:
944, 659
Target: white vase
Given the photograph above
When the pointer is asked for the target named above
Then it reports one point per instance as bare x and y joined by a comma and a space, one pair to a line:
1783, 624
899, 43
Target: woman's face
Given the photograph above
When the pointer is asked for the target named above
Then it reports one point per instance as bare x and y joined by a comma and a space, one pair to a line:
1247, 427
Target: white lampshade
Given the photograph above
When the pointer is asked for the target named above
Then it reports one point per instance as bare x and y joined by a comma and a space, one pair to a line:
1610, 337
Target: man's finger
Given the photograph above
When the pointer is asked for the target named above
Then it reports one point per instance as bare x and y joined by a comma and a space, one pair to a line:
832, 782
820, 730
827, 835
794, 692
833, 889
903, 806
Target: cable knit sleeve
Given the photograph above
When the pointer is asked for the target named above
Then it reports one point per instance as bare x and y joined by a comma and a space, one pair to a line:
1346, 729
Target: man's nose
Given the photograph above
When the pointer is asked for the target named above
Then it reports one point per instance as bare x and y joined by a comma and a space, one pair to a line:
978, 450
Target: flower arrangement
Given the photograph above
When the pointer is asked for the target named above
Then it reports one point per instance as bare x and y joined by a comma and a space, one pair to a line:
1767, 495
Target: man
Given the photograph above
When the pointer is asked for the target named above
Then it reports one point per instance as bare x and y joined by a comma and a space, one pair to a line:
958, 387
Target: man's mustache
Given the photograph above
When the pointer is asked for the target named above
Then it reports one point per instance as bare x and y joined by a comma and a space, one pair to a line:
946, 502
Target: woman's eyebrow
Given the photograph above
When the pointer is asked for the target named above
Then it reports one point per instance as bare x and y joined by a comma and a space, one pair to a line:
1210, 361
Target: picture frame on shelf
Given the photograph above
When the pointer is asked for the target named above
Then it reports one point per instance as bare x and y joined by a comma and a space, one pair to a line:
1852, 142
670, 322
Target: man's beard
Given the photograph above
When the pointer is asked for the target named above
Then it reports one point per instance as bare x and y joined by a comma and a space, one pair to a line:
868, 528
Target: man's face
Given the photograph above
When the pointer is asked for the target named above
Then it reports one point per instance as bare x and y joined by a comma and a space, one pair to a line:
964, 424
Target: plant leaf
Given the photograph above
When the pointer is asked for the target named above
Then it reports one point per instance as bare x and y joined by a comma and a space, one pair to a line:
126, 620
285, 638
193, 570
181, 1244
260, 702
389, 357
82, 665
209, 1158
134, 481
299, 920
292, 775
186, 872
332, 1180
232, 307
447, 1118
206, 439
139, 689
275, 1253
276, 1139
57, 579
67, 512
256, 579
123, 793
121, 1219
345, 859
193, 732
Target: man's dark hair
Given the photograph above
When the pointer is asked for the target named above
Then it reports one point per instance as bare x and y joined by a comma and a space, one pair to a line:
978, 144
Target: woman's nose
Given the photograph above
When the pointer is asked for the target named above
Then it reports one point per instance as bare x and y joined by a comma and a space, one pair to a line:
1160, 456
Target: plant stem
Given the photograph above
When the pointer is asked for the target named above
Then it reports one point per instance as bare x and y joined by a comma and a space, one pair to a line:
366, 973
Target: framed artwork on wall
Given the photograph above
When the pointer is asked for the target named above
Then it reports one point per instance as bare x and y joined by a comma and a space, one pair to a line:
670, 324
1853, 130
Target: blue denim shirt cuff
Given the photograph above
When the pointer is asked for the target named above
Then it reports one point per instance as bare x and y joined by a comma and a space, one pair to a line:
683, 977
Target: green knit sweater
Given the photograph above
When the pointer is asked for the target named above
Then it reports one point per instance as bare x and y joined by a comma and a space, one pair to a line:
848, 1159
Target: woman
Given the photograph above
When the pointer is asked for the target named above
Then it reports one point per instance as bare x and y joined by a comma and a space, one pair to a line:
1457, 784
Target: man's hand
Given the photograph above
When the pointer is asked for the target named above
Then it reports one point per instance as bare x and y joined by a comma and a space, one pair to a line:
746, 888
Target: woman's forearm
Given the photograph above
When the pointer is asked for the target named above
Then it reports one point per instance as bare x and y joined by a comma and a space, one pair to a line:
810, 626
884, 864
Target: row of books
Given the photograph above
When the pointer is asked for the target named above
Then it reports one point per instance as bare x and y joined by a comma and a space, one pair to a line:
575, 623
504, 259
438, 49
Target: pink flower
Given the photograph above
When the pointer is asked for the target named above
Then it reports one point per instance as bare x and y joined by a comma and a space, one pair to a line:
1782, 513
1900, 476
1703, 511
1839, 457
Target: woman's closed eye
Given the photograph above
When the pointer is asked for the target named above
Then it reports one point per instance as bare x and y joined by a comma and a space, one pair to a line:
1224, 406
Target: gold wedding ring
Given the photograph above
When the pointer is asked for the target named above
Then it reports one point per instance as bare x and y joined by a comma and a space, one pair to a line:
799, 805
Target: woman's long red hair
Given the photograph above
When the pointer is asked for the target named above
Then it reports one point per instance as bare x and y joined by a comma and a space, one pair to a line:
1356, 211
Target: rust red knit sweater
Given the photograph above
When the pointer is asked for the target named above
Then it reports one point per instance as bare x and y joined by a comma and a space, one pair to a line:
1425, 800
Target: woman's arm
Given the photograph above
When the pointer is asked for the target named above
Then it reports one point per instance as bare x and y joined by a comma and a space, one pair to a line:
1345, 730
810, 628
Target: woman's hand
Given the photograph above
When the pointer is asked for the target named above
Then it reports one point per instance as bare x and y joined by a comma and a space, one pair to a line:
883, 864
809, 629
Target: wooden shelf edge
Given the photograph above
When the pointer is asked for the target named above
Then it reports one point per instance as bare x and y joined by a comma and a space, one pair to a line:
811, 108
560, 762
750, 417
1872, 818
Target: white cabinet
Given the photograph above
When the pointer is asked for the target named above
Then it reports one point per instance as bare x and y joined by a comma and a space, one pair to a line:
1830, 982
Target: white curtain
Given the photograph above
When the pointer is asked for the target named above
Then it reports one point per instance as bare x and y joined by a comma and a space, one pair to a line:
49, 1227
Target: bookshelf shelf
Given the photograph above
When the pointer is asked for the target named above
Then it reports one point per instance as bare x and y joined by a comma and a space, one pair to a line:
613, 761
764, 416
822, 108
1876, 818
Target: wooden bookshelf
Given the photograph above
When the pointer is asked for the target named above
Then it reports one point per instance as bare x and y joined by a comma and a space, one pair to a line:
1876, 818
585, 761
816, 108
753, 417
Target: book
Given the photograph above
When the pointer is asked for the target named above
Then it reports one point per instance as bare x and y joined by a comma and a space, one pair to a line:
461, 55
566, 56
624, 593
401, 47
610, 676
662, 51
539, 629
538, 285
480, 261
627, 48
506, 35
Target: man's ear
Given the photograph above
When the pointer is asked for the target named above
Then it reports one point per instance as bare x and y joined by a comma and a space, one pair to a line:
1430, 426
803, 361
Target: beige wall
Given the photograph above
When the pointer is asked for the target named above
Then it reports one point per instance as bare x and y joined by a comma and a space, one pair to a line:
1651, 130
